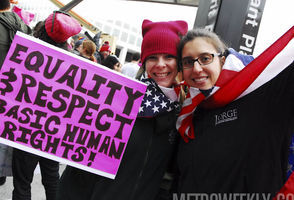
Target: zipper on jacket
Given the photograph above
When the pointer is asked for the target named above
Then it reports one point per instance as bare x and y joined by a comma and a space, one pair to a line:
144, 165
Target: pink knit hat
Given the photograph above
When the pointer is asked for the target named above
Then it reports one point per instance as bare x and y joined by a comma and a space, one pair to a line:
161, 37
60, 26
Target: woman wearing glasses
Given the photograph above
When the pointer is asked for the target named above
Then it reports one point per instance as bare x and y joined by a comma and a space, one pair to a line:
237, 121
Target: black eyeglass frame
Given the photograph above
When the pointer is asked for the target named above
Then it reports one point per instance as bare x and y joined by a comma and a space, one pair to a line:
197, 60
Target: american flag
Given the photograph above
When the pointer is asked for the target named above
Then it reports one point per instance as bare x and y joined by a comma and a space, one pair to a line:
237, 79
154, 101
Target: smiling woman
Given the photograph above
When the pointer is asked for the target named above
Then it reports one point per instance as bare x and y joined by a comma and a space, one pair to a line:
203, 71
162, 68
237, 120
153, 139
158, 55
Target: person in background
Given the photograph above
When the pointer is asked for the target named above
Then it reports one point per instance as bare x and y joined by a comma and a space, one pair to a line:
88, 48
131, 69
153, 139
112, 62
237, 120
105, 50
10, 22
78, 46
55, 31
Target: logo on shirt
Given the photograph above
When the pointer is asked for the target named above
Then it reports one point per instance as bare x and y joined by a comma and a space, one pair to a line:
226, 116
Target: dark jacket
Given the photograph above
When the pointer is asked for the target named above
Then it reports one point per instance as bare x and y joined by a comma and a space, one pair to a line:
16, 23
242, 147
145, 160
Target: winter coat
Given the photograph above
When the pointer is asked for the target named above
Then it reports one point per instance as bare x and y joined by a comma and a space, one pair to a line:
243, 147
148, 152
5, 40
16, 23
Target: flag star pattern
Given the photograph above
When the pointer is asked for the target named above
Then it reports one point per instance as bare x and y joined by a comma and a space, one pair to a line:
156, 98
163, 104
148, 93
155, 109
147, 103
155, 102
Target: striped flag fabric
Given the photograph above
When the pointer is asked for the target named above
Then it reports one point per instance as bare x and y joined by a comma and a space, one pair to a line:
287, 191
240, 76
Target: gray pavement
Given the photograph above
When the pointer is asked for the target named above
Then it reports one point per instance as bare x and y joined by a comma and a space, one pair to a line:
38, 192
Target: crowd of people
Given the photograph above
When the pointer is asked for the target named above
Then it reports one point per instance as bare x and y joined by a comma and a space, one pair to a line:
86, 48
211, 135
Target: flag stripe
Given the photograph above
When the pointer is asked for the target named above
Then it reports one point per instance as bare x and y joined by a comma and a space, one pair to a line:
195, 101
287, 189
225, 76
278, 64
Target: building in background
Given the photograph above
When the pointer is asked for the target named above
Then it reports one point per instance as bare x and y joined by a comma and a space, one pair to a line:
128, 37
121, 20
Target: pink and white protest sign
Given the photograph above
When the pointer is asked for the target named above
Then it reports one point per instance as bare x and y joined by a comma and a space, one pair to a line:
63, 107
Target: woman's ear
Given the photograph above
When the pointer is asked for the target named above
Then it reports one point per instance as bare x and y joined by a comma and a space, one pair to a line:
222, 60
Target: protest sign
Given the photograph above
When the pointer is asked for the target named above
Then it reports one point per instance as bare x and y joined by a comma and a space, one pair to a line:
58, 105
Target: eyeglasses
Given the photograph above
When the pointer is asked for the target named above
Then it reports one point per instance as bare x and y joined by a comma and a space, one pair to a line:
203, 59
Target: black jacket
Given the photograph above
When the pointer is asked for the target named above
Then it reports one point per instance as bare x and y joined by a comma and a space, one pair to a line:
242, 147
145, 160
